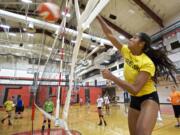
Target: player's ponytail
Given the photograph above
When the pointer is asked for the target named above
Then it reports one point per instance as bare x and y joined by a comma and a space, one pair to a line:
164, 66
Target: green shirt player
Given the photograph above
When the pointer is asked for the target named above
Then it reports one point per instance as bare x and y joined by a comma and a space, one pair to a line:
48, 107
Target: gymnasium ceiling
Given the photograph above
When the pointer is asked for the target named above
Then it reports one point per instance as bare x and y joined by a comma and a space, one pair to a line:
132, 16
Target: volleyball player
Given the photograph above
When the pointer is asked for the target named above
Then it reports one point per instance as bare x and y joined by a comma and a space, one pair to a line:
142, 65
100, 113
8, 105
19, 108
48, 107
175, 101
106, 103
126, 101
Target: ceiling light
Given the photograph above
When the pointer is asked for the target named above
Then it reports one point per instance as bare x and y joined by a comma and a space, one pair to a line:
122, 37
106, 61
50, 49
73, 41
57, 59
101, 44
30, 45
4, 26
18, 54
29, 53
26, 1
31, 35
12, 34
67, 14
131, 11
93, 46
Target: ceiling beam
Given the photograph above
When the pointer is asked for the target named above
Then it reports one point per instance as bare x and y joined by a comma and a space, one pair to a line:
118, 29
21, 12
151, 13
29, 13
40, 31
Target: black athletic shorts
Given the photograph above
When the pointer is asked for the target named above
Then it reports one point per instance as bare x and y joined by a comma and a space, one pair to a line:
19, 109
137, 101
99, 107
176, 109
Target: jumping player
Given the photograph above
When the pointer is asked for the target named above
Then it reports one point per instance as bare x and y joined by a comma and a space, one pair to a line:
142, 65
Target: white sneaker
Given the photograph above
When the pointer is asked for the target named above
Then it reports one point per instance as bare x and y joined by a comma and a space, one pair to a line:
159, 119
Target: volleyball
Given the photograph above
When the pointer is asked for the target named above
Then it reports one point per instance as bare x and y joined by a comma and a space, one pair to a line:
49, 11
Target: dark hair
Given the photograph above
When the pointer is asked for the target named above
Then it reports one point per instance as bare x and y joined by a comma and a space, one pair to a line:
162, 63
19, 96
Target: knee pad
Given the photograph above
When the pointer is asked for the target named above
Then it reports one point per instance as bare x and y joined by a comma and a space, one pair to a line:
44, 121
49, 121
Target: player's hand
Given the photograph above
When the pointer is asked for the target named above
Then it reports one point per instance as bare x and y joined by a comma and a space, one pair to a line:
169, 99
106, 74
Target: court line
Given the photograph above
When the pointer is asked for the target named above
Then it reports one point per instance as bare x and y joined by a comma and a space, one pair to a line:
156, 129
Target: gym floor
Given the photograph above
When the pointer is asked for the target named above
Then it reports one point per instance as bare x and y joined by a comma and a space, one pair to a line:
85, 121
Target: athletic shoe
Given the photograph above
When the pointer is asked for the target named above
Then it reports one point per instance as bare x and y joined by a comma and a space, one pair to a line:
177, 126
159, 119
43, 127
105, 123
100, 124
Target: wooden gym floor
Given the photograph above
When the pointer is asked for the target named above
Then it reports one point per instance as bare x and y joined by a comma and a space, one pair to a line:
85, 121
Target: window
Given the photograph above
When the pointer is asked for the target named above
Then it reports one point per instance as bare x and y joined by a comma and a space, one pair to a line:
175, 45
114, 68
121, 65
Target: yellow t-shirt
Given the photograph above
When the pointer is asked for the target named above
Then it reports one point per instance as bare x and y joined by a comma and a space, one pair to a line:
8, 105
133, 65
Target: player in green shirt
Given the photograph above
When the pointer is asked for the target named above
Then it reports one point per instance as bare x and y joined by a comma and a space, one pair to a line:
48, 107
9, 106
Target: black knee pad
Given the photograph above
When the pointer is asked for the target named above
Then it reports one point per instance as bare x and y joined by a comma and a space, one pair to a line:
44, 121
49, 121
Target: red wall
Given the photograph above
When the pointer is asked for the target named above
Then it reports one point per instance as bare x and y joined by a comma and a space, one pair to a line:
1, 90
54, 93
63, 95
82, 93
94, 92
42, 95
